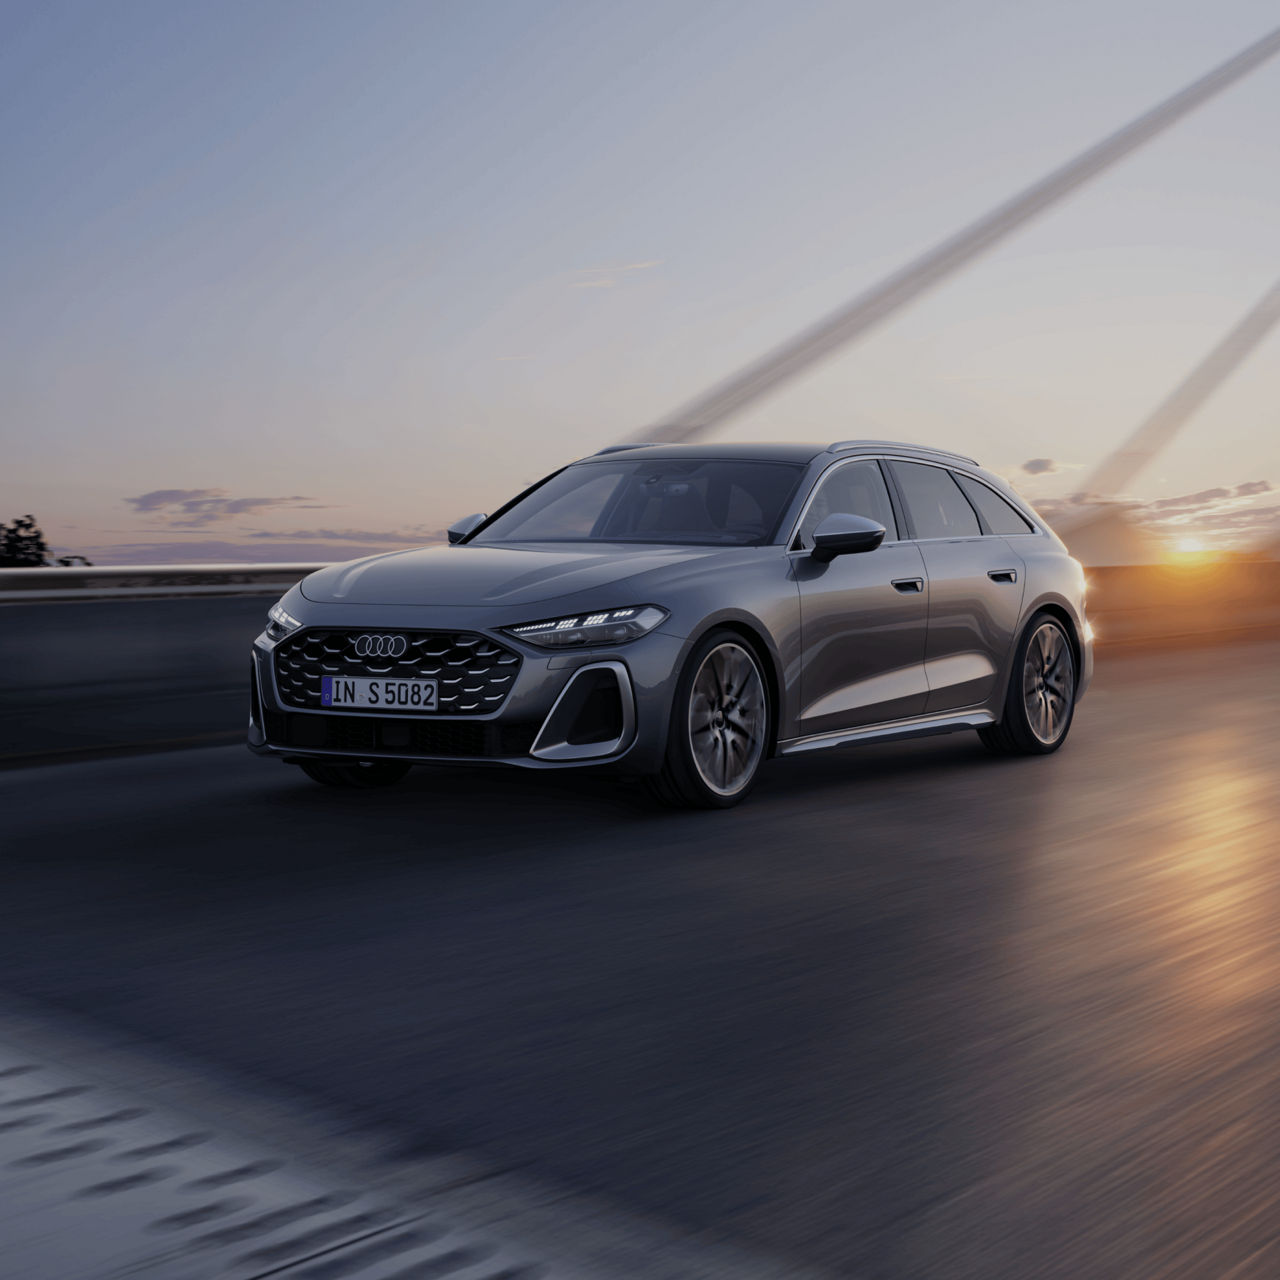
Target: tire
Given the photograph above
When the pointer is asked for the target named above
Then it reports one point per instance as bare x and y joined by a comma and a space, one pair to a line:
359, 774
1040, 701
720, 725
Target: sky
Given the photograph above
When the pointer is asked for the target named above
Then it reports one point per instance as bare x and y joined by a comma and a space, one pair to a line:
300, 281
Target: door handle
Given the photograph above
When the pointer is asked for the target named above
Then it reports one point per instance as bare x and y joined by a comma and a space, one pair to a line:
1002, 575
908, 585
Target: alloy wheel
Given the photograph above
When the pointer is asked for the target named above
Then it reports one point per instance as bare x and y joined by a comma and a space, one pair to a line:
728, 718
1048, 683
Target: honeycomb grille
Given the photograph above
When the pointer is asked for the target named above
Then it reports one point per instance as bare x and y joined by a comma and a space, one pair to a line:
473, 673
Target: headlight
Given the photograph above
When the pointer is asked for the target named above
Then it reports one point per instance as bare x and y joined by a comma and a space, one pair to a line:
280, 623
1081, 579
609, 626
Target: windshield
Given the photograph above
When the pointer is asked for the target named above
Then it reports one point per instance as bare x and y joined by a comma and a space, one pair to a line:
723, 501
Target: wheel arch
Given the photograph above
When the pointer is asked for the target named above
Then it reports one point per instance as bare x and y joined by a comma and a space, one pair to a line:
755, 634
1060, 612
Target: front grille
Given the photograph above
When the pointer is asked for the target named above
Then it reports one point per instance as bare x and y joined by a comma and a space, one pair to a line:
473, 673
475, 739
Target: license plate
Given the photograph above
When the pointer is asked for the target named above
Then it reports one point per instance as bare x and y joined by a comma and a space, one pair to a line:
359, 691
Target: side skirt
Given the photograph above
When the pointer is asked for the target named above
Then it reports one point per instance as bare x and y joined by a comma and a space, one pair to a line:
920, 727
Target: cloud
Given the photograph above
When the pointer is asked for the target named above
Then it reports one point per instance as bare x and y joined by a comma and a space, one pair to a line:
1203, 498
1246, 518
194, 508
160, 498
607, 277
1241, 527
1219, 516
413, 536
1039, 466
1215, 502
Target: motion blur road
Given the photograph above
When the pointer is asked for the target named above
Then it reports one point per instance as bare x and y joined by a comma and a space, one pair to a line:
910, 1012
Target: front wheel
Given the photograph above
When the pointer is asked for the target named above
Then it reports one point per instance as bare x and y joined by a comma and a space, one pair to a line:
361, 774
1041, 698
719, 730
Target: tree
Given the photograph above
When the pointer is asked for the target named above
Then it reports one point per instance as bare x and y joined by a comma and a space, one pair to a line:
22, 546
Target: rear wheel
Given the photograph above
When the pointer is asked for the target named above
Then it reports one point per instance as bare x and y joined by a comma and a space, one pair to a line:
1040, 701
361, 774
719, 730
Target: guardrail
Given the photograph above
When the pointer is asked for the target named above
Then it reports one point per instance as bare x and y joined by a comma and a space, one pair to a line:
1128, 603
123, 582
100, 660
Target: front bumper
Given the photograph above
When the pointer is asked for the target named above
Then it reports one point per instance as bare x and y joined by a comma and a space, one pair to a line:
587, 708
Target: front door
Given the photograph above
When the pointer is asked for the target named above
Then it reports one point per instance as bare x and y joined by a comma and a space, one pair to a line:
863, 616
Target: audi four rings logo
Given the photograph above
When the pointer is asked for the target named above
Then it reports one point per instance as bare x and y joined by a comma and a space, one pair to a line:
380, 646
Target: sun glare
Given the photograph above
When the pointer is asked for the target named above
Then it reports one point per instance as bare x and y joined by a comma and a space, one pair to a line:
1192, 550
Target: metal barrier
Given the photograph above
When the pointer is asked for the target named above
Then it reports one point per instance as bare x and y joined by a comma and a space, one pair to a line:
107, 659
88, 582
1131, 603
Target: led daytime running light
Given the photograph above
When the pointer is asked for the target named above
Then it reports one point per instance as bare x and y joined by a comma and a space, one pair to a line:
280, 622
606, 626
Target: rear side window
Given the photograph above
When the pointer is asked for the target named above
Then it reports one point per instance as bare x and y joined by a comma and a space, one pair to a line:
935, 505
999, 515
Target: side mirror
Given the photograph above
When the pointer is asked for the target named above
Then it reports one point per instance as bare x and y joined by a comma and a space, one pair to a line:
841, 535
468, 524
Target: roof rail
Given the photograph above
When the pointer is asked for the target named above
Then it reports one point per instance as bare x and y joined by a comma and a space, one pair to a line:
841, 446
619, 448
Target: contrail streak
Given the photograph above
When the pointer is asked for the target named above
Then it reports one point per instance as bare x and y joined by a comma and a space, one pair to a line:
735, 393
1116, 471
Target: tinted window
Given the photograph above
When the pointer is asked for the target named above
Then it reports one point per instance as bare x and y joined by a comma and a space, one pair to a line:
855, 489
679, 500
935, 505
573, 510
999, 515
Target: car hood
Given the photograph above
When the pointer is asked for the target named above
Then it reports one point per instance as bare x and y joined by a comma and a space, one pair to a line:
496, 576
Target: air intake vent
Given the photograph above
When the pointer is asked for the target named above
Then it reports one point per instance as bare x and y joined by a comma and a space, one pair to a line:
400, 736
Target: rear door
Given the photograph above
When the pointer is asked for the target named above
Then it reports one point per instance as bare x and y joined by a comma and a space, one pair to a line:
863, 616
975, 587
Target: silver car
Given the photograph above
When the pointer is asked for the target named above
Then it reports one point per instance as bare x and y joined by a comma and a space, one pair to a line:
682, 613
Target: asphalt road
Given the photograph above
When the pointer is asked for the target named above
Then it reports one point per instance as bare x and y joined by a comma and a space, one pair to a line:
911, 1012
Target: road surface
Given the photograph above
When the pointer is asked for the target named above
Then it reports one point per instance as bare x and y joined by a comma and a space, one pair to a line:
910, 1012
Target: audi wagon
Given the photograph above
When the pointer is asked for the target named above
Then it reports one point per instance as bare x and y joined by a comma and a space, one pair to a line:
684, 613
